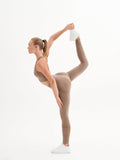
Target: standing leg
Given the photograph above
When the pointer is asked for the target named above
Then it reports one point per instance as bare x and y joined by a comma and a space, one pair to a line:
73, 73
64, 95
64, 85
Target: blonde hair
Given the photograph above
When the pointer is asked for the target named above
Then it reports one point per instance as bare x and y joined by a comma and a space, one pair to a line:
41, 43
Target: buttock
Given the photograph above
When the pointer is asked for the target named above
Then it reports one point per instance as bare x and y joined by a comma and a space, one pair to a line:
63, 81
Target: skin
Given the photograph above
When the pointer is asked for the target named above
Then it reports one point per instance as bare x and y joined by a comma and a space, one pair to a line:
34, 49
39, 52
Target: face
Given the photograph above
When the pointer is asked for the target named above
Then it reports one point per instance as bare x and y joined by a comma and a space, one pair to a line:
31, 47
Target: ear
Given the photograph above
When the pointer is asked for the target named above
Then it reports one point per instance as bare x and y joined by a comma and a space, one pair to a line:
35, 46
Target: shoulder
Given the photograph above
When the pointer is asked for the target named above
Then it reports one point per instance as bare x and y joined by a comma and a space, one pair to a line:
42, 60
42, 63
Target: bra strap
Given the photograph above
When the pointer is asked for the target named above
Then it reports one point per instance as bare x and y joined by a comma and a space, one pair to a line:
40, 57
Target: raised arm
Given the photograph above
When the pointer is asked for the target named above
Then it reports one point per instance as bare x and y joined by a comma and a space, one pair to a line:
54, 37
57, 34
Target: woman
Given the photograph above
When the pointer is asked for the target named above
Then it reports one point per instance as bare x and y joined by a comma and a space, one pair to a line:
60, 83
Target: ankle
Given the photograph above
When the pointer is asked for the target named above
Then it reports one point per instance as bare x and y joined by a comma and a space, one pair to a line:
77, 38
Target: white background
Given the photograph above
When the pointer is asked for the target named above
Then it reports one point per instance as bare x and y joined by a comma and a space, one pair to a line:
30, 124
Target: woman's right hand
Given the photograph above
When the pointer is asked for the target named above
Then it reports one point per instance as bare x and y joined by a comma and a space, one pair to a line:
70, 26
59, 102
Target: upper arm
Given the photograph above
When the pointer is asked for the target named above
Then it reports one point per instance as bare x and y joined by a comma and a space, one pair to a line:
49, 43
42, 67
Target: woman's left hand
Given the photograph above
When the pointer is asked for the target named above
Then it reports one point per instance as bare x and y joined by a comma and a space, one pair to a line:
70, 26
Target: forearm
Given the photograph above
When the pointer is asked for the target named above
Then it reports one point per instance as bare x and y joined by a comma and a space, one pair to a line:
57, 34
55, 89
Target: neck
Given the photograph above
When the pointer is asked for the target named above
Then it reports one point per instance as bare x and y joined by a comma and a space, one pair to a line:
38, 54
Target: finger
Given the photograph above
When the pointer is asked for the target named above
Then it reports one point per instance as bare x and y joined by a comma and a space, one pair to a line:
61, 103
60, 106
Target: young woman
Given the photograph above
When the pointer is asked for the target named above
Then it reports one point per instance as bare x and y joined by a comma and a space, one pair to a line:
60, 83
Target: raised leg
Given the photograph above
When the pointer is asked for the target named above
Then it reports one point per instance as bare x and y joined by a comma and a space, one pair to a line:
76, 71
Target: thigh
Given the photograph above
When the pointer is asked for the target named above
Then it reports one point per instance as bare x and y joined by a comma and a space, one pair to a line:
63, 81
65, 98
64, 88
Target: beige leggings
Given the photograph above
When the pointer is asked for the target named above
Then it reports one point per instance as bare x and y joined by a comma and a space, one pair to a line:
63, 81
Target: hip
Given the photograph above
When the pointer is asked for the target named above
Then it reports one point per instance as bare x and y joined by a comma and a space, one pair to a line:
63, 81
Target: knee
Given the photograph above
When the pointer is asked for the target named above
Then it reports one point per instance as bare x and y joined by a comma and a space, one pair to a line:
65, 122
85, 64
63, 114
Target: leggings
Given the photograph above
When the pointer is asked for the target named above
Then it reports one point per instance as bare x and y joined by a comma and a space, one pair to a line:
63, 81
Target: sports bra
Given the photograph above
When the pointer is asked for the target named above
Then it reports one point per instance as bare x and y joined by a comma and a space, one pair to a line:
38, 74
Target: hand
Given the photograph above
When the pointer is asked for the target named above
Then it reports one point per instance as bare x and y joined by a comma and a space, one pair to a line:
70, 26
59, 102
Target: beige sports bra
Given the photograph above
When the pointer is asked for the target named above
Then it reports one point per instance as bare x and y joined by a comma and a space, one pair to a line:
38, 74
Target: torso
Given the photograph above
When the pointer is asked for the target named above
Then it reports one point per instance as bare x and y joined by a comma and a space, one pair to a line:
46, 82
